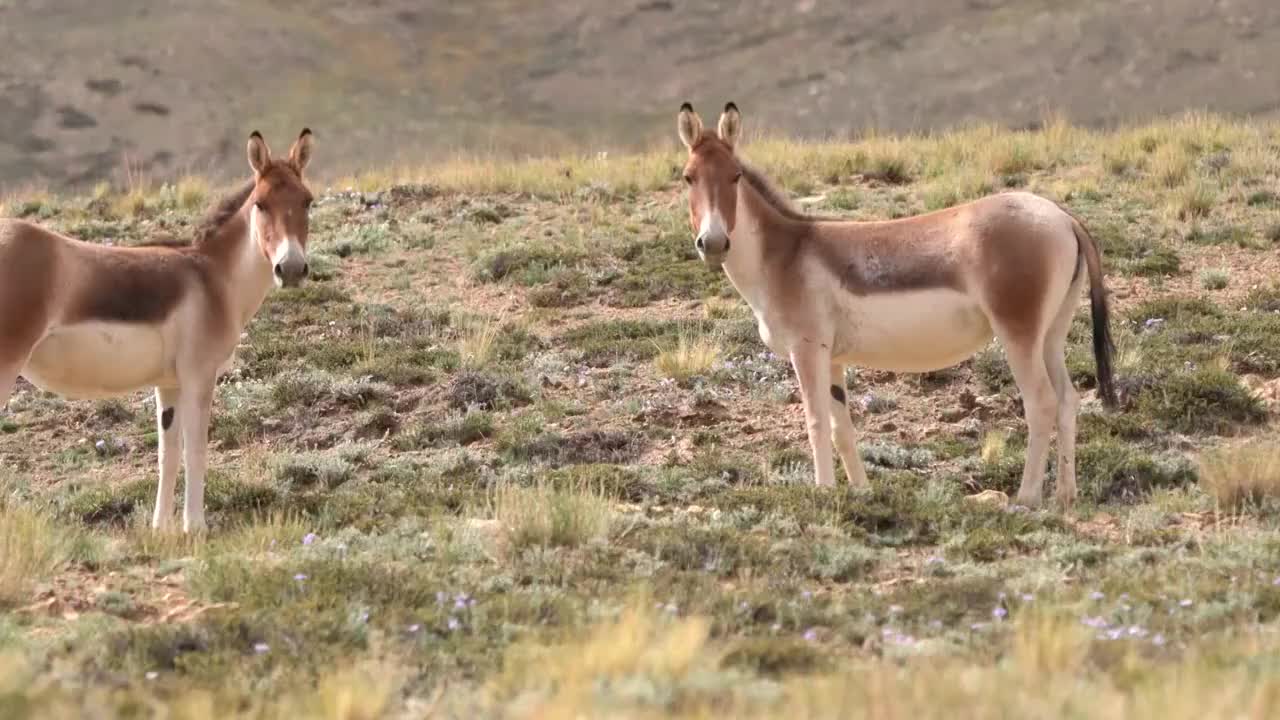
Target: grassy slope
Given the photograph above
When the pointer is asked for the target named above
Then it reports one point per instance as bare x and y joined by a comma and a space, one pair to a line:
515, 451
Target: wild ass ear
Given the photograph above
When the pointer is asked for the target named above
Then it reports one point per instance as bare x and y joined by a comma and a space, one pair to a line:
259, 153
300, 153
690, 126
730, 125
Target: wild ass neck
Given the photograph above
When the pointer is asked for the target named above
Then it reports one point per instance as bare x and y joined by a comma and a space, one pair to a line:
763, 246
246, 270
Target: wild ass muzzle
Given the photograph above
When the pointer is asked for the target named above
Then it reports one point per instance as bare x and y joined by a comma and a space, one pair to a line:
909, 295
91, 321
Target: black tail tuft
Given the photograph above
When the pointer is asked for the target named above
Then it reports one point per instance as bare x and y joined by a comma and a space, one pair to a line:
1103, 347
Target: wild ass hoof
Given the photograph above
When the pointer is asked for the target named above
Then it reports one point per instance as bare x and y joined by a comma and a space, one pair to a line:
1064, 501
1029, 501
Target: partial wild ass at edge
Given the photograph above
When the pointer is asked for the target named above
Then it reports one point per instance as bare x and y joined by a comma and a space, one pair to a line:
90, 321
909, 295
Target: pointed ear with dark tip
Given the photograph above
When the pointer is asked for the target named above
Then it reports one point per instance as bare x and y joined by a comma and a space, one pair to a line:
259, 153
300, 153
730, 125
690, 126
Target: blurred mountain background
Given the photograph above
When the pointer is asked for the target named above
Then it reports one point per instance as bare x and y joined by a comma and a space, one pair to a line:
93, 91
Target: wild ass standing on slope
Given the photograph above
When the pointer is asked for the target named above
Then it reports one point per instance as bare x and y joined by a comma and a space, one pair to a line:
909, 295
88, 321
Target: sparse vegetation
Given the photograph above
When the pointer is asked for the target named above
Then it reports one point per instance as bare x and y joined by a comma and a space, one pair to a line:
548, 468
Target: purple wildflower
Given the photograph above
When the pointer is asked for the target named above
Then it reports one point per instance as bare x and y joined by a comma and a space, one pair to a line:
999, 613
1158, 640
261, 648
810, 634
1094, 622
1115, 634
1276, 581
806, 595
453, 623
977, 626
934, 560
1027, 597
1137, 631
1185, 602
414, 628
309, 538
300, 577
1096, 595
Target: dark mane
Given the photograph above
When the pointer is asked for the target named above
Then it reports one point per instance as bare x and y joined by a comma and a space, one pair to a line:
213, 221
776, 198
222, 212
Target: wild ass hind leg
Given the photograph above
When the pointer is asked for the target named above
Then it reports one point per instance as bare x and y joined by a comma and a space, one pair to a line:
813, 369
170, 432
1040, 403
842, 431
194, 407
1055, 360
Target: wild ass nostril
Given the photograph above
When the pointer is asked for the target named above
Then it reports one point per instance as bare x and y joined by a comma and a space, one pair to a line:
280, 270
306, 269
700, 243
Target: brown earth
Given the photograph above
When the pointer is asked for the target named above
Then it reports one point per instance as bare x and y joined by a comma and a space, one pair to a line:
90, 91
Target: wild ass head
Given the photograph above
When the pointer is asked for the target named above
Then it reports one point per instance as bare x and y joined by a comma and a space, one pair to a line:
712, 174
279, 219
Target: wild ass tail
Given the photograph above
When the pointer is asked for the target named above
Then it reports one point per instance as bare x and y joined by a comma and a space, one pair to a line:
1103, 347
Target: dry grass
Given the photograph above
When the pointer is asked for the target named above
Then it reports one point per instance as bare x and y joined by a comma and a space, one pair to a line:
32, 548
545, 516
477, 342
695, 353
579, 677
1242, 475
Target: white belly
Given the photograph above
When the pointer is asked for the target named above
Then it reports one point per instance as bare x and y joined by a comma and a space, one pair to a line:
98, 360
915, 331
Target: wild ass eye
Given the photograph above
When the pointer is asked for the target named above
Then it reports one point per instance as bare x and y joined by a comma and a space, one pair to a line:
688, 179
261, 207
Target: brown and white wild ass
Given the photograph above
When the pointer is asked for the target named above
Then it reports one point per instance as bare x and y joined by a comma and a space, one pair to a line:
89, 321
909, 295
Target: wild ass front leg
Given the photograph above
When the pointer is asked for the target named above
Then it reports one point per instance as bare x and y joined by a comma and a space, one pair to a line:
194, 407
842, 432
170, 434
813, 370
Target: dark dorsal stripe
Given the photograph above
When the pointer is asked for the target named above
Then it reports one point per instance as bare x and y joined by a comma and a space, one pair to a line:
145, 284
872, 273
131, 285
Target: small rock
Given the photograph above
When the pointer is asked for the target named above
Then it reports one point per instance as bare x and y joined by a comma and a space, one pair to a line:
951, 415
989, 497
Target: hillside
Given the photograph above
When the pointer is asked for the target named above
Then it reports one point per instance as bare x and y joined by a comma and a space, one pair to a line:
91, 91
514, 452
